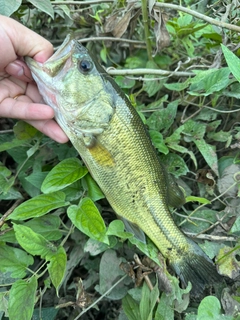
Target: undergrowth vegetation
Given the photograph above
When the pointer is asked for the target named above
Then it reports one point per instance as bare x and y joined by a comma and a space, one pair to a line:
63, 254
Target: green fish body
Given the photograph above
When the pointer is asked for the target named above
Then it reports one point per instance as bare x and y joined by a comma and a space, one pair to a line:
112, 141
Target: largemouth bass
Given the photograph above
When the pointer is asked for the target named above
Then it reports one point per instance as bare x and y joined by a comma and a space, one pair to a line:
112, 141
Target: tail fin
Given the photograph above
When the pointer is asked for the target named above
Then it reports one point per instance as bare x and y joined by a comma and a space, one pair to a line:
196, 267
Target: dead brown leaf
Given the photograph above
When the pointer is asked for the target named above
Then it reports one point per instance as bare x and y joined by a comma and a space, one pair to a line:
160, 30
118, 23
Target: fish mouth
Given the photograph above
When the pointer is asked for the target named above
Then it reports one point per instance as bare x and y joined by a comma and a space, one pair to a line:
54, 64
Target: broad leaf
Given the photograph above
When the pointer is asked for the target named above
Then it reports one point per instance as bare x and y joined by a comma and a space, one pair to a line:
24, 131
116, 228
8, 7
158, 141
33, 242
22, 298
87, 219
94, 192
148, 301
233, 62
174, 164
208, 153
209, 308
62, 175
164, 310
57, 266
109, 273
131, 308
44, 5
38, 206
209, 81
163, 119
48, 226
14, 260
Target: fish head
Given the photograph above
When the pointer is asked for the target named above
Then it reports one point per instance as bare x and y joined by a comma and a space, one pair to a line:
69, 81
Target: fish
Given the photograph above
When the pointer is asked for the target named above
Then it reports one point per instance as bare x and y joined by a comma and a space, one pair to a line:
114, 144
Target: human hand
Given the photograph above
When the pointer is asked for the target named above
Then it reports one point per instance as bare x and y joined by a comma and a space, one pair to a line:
19, 96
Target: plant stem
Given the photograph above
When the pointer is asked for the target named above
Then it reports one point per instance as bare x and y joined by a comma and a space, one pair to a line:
146, 29
145, 71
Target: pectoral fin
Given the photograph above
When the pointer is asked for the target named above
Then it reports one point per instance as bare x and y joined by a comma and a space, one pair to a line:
100, 154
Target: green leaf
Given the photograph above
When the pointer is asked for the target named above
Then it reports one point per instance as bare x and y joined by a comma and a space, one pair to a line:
87, 219
12, 194
38, 206
109, 273
62, 175
152, 86
14, 260
94, 192
204, 219
48, 226
178, 296
178, 86
177, 300
116, 228
125, 82
193, 130
163, 119
209, 308
174, 164
37, 178
95, 247
131, 308
233, 91
183, 150
210, 81
22, 298
103, 54
208, 153
233, 62
148, 301
197, 199
33, 242
65, 9
8, 7
149, 248
3, 304
57, 267
221, 135
74, 191
24, 131
49, 313
44, 5
227, 260
158, 141
6, 181
63, 151
164, 310
236, 227
136, 61
11, 144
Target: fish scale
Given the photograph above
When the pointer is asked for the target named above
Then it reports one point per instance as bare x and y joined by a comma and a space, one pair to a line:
112, 141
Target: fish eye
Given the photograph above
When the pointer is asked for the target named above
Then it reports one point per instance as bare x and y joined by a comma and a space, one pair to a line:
85, 66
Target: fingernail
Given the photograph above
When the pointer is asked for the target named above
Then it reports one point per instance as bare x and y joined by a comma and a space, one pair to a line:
15, 68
